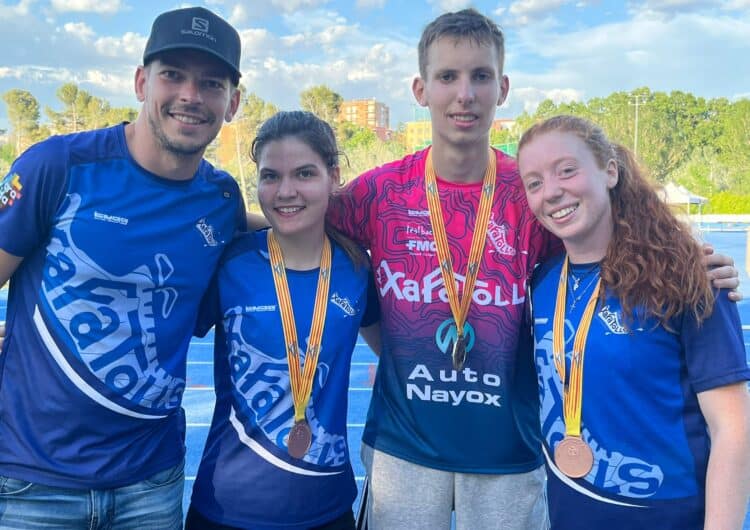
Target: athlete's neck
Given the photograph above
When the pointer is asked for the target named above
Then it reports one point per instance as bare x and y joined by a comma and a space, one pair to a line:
144, 149
302, 252
460, 164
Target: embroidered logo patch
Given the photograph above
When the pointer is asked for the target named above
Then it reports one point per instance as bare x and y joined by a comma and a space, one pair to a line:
10, 190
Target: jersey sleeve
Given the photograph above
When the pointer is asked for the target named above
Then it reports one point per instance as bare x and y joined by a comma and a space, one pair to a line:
30, 195
209, 312
352, 209
715, 350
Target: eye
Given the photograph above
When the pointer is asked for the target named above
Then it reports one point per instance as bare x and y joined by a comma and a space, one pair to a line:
482, 76
568, 171
306, 173
532, 184
171, 75
267, 176
214, 84
447, 77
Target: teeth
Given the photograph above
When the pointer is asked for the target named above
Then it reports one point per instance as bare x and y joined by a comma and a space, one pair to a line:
187, 119
463, 118
562, 213
289, 210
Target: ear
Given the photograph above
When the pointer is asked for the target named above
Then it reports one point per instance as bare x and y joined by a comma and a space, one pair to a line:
234, 104
612, 175
504, 88
418, 89
140, 83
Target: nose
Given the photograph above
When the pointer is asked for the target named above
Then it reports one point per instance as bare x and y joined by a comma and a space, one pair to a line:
552, 190
286, 188
190, 91
466, 91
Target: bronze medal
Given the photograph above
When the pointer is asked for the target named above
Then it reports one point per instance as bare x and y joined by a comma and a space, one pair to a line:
459, 352
299, 440
574, 457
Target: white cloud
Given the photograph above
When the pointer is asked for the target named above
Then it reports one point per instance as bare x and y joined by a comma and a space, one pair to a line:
22, 8
292, 6
525, 11
129, 46
238, 15
79, 30
640, 52
529, 97
93, 6
257, 42
451, 5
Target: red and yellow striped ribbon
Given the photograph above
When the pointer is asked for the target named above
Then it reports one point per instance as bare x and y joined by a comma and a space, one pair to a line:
301, 378
460, 305
572, 390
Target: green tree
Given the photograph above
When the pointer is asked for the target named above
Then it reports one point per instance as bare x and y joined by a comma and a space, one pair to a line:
75, 105
23, 115
323, 102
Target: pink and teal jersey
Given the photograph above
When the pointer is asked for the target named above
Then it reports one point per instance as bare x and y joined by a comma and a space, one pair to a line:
484, 417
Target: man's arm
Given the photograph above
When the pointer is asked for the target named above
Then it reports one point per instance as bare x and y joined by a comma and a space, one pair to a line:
727, 413
8, 265
256, 221
371, 334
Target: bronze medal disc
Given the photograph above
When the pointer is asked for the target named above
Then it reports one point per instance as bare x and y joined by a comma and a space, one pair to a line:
459, 353
574, 457
299, 439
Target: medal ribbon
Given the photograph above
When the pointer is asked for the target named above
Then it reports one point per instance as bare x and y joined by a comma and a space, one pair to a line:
301, 379
460, 306
573, 391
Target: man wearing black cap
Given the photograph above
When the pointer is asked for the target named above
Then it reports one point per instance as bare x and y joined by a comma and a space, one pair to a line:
109, 242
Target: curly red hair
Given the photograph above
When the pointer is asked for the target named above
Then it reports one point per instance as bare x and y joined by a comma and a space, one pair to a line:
653, 263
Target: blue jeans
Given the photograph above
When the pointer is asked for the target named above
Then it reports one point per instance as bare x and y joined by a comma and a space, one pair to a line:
151, 504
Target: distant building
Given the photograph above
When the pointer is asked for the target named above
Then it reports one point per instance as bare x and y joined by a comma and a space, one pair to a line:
503, 124
417, 134
369, 114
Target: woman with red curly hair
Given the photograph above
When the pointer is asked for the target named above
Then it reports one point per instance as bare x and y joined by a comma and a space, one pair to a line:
657, 433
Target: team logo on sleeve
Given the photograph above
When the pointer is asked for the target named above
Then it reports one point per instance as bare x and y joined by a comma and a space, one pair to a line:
10, 190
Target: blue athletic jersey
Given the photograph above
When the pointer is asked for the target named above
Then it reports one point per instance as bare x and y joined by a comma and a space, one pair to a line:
102, 308
246, 476
640, 410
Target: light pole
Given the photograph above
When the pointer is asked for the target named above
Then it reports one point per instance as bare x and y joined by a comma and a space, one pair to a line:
637, 100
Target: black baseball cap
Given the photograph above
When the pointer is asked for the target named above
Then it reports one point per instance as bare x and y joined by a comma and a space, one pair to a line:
195, 28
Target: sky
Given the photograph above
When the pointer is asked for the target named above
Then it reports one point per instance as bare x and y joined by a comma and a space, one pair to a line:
564, 50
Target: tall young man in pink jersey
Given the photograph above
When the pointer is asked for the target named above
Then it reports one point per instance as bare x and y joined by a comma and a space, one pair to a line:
446, 432
453, 423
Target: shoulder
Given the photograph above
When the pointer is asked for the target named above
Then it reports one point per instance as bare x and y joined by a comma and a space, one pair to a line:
403, 169
246, 244
216, 175
548, 269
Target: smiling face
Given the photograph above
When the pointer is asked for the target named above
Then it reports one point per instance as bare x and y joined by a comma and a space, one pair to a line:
294, 185
568, 192
186, 97
463, 85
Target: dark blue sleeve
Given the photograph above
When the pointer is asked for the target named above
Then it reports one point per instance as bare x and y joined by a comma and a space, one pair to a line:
372, 309
30, 195
209, 312
715, 350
